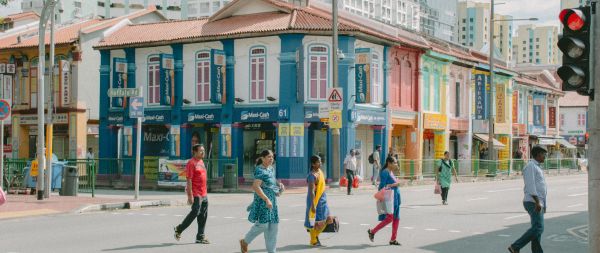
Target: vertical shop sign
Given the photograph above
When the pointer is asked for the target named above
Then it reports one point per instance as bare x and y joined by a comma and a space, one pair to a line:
283, 140
297, 140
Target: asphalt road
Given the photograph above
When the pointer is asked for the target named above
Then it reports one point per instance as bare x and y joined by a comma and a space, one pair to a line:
480, 217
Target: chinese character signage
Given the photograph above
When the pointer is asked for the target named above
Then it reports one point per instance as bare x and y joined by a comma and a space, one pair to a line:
434, 121
515, 107
439, 140
480, 97
500, 103
167, 84
297, 140
226, 140
217, 80
65, 82
119, 80
362, 74
552, 117
283, 140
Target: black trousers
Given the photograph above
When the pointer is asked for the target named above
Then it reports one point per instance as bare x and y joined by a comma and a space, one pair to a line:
445, 193
199, 213
350, 176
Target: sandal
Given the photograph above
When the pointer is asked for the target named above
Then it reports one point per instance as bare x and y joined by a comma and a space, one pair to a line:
371, 235
243, 246
394, 242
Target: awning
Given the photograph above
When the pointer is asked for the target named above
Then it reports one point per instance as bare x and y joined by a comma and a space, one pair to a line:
485, 138
565, 143
546, 141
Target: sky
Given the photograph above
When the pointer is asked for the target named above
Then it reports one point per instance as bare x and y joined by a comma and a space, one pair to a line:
13, 7
545, 10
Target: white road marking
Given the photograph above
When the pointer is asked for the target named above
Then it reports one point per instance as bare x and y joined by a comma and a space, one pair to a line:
409, 228
504, 235
420, 190
576, 205
431, 229
454, 231
344, 223
181, 215
146, 214
516, 216
228, 217
504, 190
280, 219
477, 233
364, 224
579, 194
162, 214
477, 199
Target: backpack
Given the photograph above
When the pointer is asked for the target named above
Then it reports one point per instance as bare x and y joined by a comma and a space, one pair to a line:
371, 159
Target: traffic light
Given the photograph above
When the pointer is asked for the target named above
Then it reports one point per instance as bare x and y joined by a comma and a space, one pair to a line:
575, 45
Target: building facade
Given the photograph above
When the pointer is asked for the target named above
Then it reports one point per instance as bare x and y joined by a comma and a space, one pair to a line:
573, 120
18, 19
536, 45
438, 18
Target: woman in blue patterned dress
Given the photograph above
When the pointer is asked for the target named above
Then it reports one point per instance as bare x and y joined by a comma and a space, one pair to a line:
263, 210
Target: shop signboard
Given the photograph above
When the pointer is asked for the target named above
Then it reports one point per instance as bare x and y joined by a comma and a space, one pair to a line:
115, 118
552, 117
172, 172
500, 103
167, 80
65, 82
515, 107
217, 80
439, 140
283, 140
157, 117
480, 97
312, 114
362, 74
119, 81
257, 114
434, 121
226, 140
297, 140
202, 116
368, 117
157, 140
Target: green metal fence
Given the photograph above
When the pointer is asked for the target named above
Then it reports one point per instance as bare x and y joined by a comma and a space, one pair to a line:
14, 174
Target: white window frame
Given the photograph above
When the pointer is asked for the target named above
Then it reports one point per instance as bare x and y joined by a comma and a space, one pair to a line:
376, 87
202, 61
319, 60
254, 59
153, 82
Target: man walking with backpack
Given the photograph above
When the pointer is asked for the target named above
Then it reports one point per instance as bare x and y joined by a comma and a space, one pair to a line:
374, 160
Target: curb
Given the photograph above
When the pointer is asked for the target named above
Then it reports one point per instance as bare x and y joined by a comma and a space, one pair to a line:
129, 205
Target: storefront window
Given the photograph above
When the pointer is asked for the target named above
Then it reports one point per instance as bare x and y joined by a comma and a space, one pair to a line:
203, 77
257, 74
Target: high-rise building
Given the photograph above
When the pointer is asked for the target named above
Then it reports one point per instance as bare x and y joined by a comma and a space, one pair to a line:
399, 13
172, 9
473, 29
438, 18
536, 45
571, 3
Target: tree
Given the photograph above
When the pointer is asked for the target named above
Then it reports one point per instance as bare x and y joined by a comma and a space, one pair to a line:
4, 2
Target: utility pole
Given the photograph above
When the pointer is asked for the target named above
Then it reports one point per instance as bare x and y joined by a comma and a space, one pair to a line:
48, 5
492, 157
335, 132
49, 127
594, 141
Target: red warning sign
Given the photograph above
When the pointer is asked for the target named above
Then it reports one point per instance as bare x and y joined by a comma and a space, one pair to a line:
335, 95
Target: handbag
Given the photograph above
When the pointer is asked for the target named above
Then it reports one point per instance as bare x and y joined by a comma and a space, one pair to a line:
437, 189
2, 197
333, 227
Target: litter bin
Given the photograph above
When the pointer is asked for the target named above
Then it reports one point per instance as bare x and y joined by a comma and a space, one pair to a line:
229, 176
71, 181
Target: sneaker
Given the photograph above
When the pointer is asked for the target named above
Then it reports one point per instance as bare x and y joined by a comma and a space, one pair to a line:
177, 234
511, 250
371, 235
202, 241
394, 242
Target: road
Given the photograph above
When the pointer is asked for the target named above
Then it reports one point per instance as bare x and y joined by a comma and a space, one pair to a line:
480, 217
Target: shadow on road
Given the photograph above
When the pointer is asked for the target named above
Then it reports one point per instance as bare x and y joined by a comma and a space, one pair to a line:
302, 247
148, 246
559, 236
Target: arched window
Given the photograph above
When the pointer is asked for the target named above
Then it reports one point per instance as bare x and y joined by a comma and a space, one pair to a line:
153, 80
258, 73
203, 77
318, 72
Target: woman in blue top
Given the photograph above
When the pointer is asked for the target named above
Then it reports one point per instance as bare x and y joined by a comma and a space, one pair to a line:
388, 180
263, 210
317, 211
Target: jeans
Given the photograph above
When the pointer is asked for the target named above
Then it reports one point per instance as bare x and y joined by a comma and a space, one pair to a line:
199, 212
445, 193
375, 177
533, 234
270, 232
350, 176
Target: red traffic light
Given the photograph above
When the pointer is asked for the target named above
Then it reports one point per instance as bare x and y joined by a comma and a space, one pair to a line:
572, 18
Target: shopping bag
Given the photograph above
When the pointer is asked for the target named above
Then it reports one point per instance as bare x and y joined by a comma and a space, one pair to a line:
343, 181
438, 189
333, 227
2, 197
355, 182
386, 206
380, 195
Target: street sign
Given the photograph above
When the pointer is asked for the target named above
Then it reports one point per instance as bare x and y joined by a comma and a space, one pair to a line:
335, 95
123, 92
323, 110
4, 109
335, 119
136, 107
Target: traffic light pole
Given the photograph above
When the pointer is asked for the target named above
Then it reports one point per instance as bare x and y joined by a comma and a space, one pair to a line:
594, 142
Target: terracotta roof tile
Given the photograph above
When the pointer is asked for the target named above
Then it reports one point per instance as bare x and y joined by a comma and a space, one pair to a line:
113, 21
17, 16
572, 99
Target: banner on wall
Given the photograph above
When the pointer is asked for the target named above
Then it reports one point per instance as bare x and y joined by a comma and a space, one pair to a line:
538, 110
480, 97
151, 167
283, 140
167, 82
297, 140
552, 117
226, 140
362, 74
7, 85
119, 79
156, 140
439, 140
500, 103
515, 107
504, 153
217, 80
65, 82
172, 172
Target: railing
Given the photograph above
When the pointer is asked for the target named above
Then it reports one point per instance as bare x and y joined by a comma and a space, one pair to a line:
14, 174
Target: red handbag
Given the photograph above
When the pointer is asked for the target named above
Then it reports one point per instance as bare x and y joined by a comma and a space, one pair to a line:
355, 182
437, 189
343, 181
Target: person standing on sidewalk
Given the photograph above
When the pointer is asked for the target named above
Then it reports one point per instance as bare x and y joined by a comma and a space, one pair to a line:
196, 192
350, 167
444, 176
317, 211
263, 210
534, 202
388, 180
376, 164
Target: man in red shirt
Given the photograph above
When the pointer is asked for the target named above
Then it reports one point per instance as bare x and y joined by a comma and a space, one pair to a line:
196, 193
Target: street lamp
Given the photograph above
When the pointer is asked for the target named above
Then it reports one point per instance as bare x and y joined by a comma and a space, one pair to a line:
491, 115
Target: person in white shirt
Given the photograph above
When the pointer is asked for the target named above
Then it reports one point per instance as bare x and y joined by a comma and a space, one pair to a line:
534, 202
90, 154
350, 168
